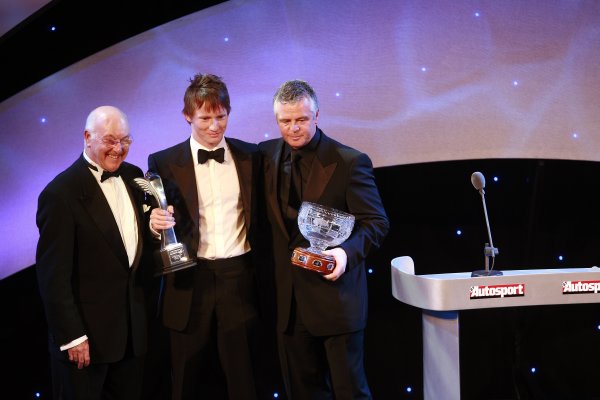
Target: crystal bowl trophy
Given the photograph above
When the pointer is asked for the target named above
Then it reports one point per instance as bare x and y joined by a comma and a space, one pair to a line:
323, 227
173, 255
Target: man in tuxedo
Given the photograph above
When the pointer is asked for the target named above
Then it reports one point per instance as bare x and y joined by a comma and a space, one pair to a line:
211, 309
88, 267
320, 318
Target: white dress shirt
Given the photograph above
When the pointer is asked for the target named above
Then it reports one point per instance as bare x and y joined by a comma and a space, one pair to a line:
222, 225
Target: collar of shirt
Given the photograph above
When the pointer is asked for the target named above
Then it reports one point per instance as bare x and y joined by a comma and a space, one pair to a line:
97, 173
305, 150
195, 146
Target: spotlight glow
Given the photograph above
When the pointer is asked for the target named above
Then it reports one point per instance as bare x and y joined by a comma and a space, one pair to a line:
560, 258
533, 370
458, 232
408, 389
496, 179
226, 39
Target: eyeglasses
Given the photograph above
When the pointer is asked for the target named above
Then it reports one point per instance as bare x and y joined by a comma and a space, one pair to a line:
112, 142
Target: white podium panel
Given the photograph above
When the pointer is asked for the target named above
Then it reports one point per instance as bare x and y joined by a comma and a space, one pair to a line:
442, 296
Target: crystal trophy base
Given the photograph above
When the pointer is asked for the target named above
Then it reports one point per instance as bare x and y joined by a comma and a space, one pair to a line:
314, 261
174, 257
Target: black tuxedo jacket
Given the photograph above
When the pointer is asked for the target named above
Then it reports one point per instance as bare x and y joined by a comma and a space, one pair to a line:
85, 281
175, 166
342, 178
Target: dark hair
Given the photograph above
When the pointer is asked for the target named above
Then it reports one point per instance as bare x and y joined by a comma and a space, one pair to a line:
294, 91
206, 89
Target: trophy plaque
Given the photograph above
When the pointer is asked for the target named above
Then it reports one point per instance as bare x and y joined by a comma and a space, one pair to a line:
173, 255
323, 227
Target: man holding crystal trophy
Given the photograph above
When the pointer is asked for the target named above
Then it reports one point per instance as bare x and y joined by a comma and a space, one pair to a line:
210, 183
326, 215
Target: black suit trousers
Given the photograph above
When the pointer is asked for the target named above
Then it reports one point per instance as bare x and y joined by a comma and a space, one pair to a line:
121, 380
219, 343
322, 367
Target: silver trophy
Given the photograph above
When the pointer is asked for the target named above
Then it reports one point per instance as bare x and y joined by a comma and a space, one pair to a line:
173, 255
323, 227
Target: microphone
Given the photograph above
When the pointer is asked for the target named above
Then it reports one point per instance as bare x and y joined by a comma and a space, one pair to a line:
478, 181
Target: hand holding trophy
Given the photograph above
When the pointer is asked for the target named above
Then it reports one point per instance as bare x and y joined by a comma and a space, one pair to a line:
323, 227
174, 256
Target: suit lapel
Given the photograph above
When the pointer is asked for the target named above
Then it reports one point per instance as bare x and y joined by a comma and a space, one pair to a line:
243, 165
94, 201
272, 184
185, 179
321, 170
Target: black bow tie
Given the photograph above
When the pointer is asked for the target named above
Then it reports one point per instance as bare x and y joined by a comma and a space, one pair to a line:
108, 174
105, 174
218, 155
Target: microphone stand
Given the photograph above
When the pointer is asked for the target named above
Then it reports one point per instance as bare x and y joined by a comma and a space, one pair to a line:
489, 250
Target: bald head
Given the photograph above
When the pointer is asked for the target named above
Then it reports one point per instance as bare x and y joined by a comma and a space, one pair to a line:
104, 116
107, 137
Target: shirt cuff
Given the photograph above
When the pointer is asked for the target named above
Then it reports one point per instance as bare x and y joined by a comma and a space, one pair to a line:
154, 233
73, 343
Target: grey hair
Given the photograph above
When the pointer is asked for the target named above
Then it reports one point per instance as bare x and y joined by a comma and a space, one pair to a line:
294, 91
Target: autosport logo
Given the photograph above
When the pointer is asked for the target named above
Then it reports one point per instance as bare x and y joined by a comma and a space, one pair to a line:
497, 291
580, 287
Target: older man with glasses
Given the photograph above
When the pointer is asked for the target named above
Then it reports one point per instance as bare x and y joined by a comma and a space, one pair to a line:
88, 265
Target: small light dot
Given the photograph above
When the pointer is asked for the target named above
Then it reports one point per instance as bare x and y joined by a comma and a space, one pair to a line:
515, 83
226, 39
533, 370
409, 389
575, 135
495, 179
43, 120
337, 94
266, 135
423, 69
275, 395
598, 327
370, 270
477, 14
53, 28
458, 232
560, 258
37, 394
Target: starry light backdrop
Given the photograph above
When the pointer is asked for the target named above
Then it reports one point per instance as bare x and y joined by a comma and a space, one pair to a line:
404, 81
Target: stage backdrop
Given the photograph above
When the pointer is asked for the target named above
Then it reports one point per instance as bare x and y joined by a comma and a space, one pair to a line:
404, 81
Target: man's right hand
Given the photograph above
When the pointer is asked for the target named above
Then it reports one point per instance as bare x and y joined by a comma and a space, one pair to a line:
162, 219
80, 354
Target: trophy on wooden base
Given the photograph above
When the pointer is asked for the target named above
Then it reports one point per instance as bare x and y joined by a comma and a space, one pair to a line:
324, 227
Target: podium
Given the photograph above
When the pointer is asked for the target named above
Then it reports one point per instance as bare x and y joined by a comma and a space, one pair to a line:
442, 296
